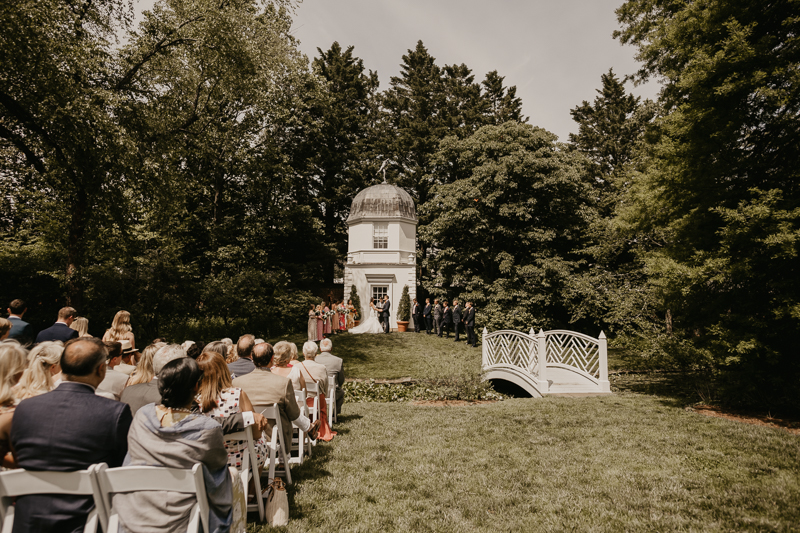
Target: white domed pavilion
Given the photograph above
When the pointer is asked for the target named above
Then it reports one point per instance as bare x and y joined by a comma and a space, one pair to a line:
382, 246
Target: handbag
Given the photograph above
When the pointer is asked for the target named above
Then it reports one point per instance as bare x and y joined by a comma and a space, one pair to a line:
277, 504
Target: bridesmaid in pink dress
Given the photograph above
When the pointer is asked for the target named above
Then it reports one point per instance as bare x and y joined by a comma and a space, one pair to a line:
342, 317
328, 328
320, 323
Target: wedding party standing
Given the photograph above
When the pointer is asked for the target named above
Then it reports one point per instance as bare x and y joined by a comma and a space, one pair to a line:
426, 315
437, 317
351, 315
457, 311
320, 324
469, 324
387, 306
447, 320
371, 324
328, 325
416, 313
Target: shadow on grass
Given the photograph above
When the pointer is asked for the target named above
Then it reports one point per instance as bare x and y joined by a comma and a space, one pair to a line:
673, 389
507, 388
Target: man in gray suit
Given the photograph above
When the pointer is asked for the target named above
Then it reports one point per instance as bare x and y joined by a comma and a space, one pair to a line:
334, 366
437, 317
387, 306
244, 349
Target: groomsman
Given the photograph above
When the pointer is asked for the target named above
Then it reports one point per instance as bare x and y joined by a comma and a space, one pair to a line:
456, 317
386, 311
437, 317
447, 320
426, 314
469, 323
416, 312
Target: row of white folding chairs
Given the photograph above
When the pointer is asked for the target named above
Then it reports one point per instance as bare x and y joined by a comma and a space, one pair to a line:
101, 482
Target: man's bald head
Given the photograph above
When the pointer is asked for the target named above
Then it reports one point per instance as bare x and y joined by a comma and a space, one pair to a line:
82, 356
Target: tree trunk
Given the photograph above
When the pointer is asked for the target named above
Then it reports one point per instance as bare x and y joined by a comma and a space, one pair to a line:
77, 229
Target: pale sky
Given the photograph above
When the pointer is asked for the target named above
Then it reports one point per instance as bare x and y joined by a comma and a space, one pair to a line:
554, 51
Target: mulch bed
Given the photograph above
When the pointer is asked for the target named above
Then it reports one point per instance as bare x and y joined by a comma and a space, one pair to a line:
450, 403
790, 425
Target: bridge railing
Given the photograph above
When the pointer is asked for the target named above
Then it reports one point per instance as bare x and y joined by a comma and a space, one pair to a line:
557, 349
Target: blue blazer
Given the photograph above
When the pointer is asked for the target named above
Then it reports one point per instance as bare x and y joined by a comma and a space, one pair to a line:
57, 332
20, 330
64, 430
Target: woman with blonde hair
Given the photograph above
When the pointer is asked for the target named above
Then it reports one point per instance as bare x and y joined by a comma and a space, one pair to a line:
283, 353
81, 325
44, 370
120, 329
144, 372
5, 328
13, 362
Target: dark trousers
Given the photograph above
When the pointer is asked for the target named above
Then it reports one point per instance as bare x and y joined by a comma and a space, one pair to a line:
471, 340
428, 324
437, 322
456, 328
386, 324
445, 328
417, 321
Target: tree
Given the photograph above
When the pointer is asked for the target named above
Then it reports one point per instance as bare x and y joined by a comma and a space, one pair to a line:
356, 302
503, 235
404, 308
503, 104
722, 185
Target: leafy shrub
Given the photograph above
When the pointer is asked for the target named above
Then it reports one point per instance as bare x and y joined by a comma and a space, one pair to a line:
467, 388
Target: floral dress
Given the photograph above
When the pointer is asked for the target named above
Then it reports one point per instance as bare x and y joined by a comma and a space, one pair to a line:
227, 405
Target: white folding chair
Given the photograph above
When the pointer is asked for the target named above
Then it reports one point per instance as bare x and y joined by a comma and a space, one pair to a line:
249, 469
277, 448
300, 440
112, 481
312, 391
21, 482
330, 400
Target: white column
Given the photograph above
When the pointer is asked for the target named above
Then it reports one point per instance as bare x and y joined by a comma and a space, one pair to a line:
605, 386
544, 386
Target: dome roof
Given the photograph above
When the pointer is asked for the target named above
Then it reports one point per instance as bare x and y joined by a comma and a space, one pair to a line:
382, 201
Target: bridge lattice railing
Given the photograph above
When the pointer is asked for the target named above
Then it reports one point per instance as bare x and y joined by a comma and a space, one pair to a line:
561, 348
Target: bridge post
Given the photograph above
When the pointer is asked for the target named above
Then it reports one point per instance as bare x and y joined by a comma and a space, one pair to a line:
484, 350
544, 386
605, 386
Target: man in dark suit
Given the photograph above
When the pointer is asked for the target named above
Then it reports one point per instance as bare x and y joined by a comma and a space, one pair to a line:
469, 323
447, 320
60, 331
244, 365
387, 306
456, 317
416, 312
65, 430
20, 330
426, 315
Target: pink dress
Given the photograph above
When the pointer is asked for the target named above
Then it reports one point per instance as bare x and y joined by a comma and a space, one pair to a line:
320, 328
327, 323
227, 405
342, 317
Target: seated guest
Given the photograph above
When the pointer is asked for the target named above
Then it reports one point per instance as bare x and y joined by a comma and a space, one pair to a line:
283, 352
60, 331
82, 429
334, 366
244, 349
130, 356
12, 365
192, 349
21, 331
141, 394
120, 329
265, 388
81, 325
44, 370
144, 372
114, 382
316, 373
218, 397
169, 434
5, 328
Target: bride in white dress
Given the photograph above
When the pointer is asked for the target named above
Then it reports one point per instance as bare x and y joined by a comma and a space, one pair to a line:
371, 324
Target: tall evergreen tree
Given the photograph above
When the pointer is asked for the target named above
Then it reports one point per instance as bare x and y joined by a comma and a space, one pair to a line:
503, 104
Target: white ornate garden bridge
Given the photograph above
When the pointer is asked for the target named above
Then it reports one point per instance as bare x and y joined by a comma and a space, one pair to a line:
557, 362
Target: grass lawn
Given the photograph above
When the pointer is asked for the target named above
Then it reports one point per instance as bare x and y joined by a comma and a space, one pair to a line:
627, 462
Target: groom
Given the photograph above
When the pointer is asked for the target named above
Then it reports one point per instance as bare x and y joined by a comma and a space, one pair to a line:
386, 307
